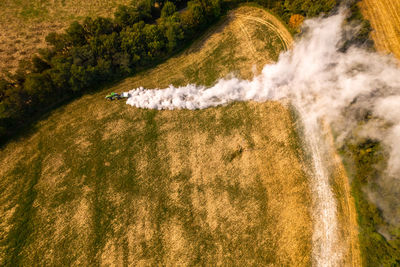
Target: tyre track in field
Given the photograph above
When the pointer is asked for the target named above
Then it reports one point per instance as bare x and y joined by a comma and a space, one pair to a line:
248, 38
235, 23
285, 39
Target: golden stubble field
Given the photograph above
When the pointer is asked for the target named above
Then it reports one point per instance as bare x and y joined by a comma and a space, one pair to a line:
24, 24
103, 183
384, 16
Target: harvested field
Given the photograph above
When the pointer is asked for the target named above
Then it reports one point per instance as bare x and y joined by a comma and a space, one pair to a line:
384, 16
103, 183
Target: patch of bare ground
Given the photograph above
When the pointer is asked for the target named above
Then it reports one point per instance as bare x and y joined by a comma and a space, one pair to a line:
384, 16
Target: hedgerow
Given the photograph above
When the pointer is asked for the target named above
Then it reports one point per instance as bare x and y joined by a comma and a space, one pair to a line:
99, 50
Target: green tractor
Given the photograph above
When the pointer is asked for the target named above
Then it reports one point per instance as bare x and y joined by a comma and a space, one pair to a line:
113, 96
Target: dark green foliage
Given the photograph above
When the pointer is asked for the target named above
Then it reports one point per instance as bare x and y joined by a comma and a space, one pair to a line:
194, 15
309, 8
168, 9
154, 40
98, 50
173, 31
144, 8
125, 16
38, 88
39, 65
58, 42
133, 13
98, 26
76, 34
376, 250
3, 88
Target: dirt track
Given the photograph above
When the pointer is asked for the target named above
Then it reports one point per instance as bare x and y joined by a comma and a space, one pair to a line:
347, 214
384, 16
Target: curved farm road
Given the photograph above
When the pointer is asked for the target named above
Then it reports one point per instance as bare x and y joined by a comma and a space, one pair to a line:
102, 183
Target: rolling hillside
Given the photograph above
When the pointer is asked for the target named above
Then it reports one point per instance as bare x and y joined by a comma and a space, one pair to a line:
103, 183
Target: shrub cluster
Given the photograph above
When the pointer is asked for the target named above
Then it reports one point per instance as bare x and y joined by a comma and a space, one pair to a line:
293, 13
376, 250
305, 8
99, 50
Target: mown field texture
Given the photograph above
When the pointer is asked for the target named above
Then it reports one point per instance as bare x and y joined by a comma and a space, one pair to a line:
384, 16
103, 183
24, 24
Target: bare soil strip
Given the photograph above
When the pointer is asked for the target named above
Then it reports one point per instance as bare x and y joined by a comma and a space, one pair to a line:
347, 215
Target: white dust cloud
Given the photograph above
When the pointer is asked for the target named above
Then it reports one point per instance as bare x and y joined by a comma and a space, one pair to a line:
323, 83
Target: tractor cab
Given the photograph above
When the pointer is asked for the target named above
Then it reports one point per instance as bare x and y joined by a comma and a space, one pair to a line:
113, 96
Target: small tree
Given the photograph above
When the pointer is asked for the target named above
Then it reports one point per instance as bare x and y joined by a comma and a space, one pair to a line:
76, 34
168, 9
126, 16
295, 21
39, 65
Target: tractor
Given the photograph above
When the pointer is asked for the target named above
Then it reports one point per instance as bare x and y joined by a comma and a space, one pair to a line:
113, 96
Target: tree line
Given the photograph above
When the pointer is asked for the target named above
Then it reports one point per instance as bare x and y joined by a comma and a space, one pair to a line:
97, 50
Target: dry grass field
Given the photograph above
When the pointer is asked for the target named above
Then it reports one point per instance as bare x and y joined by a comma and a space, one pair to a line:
103, 183
384, 16
24, 24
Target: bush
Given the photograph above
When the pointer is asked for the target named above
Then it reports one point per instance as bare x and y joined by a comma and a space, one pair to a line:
295, 21
168, 9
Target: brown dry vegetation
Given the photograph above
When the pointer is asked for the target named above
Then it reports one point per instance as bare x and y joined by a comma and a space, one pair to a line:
384, 16
24, 24
100, 183
105, 183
